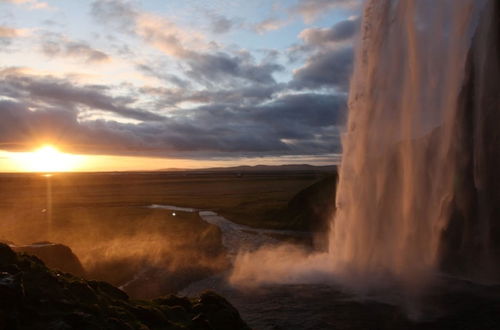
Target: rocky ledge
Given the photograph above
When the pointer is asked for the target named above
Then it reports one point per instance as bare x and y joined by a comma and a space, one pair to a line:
33, 296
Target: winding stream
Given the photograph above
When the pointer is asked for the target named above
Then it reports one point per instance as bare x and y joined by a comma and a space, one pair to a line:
311, 306
272, 307
236, 237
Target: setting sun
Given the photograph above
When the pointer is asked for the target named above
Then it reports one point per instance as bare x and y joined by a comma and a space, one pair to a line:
46, 159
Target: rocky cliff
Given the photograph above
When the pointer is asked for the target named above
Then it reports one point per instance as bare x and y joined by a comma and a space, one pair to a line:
471, 243
33, 296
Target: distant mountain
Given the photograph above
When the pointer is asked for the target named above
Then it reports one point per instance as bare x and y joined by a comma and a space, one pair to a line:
260, 168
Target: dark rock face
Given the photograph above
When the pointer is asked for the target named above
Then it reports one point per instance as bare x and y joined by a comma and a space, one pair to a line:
471, 243
55, 256
312, 208
35, 297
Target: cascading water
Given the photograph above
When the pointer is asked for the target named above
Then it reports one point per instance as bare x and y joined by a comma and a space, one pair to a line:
419, 179
397, 176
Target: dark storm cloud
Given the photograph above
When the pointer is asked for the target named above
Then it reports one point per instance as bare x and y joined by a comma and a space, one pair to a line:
21, 127
329, 56
321, 37
48, 91
282, 126
311, 110
222, 67
330, 68
215, 102
218, 69
290, 124
341, 34
254, 94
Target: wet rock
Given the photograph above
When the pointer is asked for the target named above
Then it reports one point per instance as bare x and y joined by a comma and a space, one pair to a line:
36, 297
173, 300
108, 290
151, 316
200, 322
11, 289
81, 290
7, 256
219, 312
176, 313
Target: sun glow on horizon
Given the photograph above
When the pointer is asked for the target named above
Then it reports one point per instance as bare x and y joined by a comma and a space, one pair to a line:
46, 159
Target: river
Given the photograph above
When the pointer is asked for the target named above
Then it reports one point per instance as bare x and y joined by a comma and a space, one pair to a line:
329, 306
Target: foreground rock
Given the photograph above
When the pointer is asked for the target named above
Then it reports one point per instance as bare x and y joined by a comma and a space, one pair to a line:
33, 296
56, 256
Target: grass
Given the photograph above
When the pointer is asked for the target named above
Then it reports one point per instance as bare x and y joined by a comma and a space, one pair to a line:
252, 199
105, 217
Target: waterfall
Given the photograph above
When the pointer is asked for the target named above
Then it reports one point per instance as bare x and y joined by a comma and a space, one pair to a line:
397, 179
419, 182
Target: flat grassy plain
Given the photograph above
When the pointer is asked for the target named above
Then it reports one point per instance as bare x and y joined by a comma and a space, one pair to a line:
106, 219
251, 199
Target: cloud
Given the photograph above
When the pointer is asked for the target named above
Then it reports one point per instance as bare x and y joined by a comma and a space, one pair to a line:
329, 56
310, 10
207, 100
321, 37
31, 4
201, 62
220, 24
268, 25
45, 109
43, 92
216, 70
22, 128
57, 45
330, 68
236, 96
155, 30
220, 67
340, 35
7, 34
120, 14
162, 74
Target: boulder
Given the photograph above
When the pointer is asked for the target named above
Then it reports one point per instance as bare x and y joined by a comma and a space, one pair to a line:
33, 296
57, 256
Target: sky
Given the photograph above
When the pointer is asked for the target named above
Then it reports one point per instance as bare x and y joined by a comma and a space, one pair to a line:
192, 83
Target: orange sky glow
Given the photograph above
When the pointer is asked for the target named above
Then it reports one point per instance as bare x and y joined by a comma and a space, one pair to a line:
50, 159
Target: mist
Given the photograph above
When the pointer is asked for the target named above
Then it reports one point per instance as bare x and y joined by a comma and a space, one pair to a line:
147, 252
396, 181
